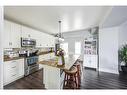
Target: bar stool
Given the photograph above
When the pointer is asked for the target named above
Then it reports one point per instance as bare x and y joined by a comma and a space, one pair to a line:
78, 66
70, 79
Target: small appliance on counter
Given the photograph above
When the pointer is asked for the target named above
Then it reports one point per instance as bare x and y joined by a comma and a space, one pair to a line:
11, 53
28, 53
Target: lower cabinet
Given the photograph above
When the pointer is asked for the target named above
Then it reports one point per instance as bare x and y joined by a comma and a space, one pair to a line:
13, 70
90, 61
53, 79
46, 56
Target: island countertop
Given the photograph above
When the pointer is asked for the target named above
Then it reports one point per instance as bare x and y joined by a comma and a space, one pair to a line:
70, 59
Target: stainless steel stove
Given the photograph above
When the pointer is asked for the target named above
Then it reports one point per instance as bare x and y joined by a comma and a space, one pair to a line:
31, 65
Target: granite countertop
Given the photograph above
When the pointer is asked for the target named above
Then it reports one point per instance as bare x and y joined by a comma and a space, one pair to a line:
69, 61
14, 58
45, 52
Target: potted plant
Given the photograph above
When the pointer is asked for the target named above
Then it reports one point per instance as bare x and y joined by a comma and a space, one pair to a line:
123, 58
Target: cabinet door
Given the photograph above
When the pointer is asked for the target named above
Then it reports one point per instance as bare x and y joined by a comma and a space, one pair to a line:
40, 39
7, 30
51, 77
26, 32
94, 61
41, 57
13, 70
51, 42
87, 60
10, 71
21, 67
15, 35
45, 40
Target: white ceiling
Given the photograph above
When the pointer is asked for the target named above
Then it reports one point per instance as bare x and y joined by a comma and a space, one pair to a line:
45, 18
117, 16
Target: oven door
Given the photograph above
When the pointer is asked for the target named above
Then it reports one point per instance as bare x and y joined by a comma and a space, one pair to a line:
32, 60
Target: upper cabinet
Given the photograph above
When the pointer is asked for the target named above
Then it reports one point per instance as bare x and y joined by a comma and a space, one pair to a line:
28, 32
42, 39
12, 32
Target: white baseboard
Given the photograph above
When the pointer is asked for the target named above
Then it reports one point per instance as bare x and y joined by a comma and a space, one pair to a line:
108, 71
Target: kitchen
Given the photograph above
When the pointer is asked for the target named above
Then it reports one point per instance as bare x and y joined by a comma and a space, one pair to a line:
28, 50
57, 47
20, 59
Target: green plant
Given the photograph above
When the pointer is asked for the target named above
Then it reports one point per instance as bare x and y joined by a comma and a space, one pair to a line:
123, 54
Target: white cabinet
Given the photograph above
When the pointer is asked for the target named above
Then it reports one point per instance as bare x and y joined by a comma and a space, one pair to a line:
90, 61
51, 41
16, 35
12, 32
28, 32
13, 70
42, 39
7, 32
45, 40
52, 78
46, 56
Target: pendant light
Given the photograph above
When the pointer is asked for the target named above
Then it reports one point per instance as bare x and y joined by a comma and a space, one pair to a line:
60, 37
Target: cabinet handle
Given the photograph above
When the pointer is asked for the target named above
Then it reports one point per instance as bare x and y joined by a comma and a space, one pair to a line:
29, 35
14, 61
9, 43
13, 75
13, 67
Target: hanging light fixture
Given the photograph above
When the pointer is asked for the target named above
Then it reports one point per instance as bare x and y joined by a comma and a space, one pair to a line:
60, 36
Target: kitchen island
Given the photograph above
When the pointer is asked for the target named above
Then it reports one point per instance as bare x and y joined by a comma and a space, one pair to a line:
53, 75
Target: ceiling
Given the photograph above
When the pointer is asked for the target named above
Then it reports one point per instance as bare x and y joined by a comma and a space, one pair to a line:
45, 18
117, 16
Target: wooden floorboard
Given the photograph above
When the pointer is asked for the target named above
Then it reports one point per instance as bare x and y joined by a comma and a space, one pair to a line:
33, 81
94, 80
91, 80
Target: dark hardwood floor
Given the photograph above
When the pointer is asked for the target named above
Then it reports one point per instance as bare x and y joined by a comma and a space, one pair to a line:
94, 80
91, 80
33, 81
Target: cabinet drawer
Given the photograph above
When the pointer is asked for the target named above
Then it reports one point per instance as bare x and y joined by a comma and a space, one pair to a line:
13, 70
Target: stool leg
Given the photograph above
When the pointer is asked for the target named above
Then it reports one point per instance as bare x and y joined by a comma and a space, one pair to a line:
64, 80
75, 80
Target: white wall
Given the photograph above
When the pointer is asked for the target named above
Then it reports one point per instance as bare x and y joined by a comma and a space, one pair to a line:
1, 49
108, 49
123, 34
72, 37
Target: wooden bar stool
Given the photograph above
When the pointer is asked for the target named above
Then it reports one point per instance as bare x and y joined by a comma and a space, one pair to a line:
70, 79
78, 66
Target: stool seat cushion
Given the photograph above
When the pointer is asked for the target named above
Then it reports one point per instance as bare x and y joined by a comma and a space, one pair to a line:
73, 70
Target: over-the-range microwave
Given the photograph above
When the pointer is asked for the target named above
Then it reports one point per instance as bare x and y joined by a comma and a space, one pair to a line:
28, 42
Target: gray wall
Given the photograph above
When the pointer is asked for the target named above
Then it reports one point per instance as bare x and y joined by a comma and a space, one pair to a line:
123, 34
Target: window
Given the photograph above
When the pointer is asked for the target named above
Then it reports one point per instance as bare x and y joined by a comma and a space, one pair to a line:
77, 47
64, 46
